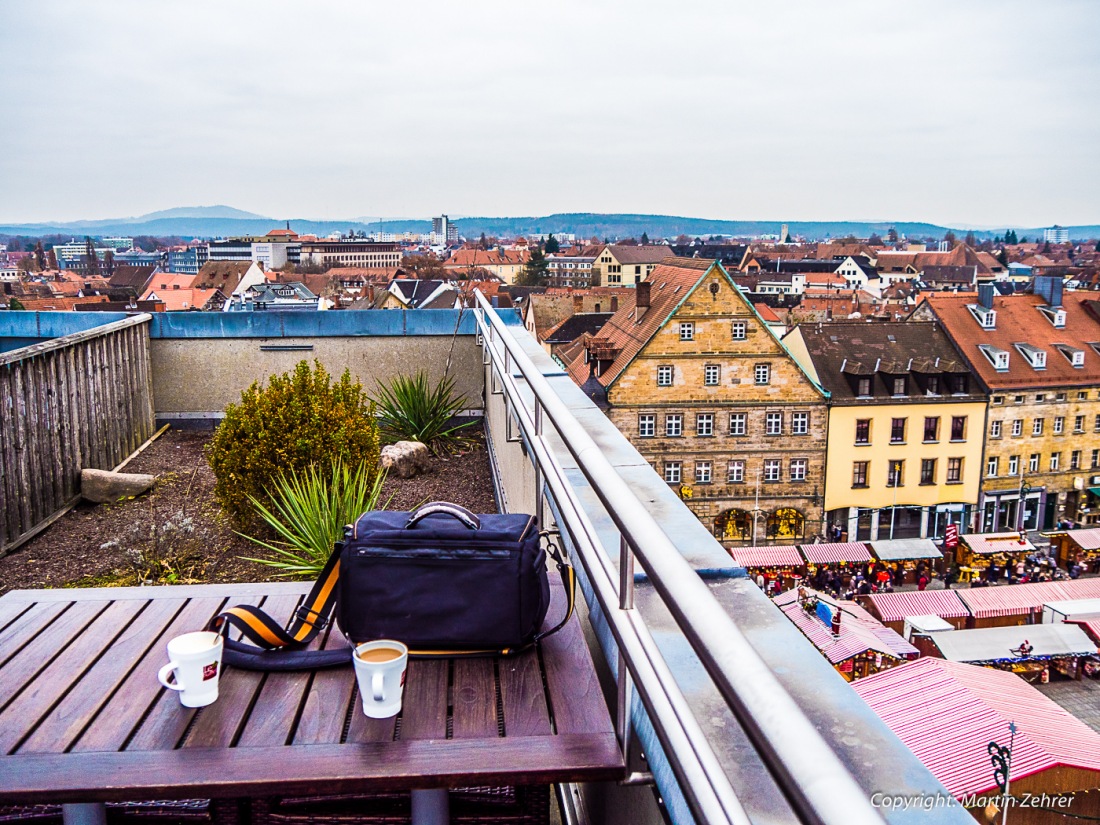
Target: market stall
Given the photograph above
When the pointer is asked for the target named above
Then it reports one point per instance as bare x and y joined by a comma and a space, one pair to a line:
1072, 546
892, 609
1032, 652
1006, 605
910, 555
989, 554
844, 559
781, 567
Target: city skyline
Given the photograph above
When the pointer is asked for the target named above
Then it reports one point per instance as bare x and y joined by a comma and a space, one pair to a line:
957, 116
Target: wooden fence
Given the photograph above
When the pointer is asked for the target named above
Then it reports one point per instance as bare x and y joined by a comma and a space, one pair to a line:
81, 401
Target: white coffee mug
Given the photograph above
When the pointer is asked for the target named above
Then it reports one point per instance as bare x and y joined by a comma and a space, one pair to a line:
196, 660
380, 671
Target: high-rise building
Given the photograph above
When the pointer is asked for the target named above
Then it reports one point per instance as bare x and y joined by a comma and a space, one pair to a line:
1056, 234
443, 231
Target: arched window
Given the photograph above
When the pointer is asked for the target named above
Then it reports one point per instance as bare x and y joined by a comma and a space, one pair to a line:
733, 525
786, 523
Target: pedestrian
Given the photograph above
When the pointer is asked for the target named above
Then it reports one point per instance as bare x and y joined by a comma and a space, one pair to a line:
922, 582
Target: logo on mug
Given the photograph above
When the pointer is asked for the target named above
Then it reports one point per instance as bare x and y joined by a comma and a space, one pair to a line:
209, 671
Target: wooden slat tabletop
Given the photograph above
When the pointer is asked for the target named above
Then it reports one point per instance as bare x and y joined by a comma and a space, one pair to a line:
83, 718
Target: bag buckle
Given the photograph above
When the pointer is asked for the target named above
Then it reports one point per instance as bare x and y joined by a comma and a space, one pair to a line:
307, 616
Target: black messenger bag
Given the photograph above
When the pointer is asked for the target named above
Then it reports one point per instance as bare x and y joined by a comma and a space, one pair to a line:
441, 580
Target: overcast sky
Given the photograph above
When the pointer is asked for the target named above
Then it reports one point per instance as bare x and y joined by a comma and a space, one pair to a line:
961, 112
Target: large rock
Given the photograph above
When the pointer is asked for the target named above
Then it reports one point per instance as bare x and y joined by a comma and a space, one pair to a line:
103, 486
406, 458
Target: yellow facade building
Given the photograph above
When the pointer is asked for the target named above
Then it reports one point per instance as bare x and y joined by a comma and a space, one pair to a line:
905, 429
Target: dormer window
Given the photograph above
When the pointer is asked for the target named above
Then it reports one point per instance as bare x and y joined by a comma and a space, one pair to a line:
1075, 356
933, 385
986, 318
997, 357
1035, 356
1056, 316
897, 386
863, 389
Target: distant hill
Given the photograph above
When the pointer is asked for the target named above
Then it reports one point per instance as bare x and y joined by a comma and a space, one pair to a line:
225, 221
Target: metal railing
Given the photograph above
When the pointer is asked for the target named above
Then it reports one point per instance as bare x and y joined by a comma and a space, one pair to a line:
818, 786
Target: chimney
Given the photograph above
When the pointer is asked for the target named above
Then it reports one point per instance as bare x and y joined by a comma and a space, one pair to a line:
1049, 287
985, 295
641, 297
836, 622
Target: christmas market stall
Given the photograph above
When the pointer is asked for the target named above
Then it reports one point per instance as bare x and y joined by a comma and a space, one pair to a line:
1006, 605
989, 554
853, 641
1033, 652
779, 567
893, 609
948, 713
1077, 546
908, 556
844, 559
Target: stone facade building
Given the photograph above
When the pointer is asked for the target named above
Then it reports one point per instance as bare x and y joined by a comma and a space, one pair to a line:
692, 375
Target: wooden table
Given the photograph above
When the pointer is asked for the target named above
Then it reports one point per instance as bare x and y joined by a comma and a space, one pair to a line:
83, 718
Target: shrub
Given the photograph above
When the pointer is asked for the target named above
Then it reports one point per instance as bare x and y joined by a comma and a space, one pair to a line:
300, 418
309, 511
410, 409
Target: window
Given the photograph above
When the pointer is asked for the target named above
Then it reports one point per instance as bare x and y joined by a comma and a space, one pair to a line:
1013, 465
647, 425
994, 429
899, 386
863, 431
954, 470
672, 472
1096, 425
739, 330
1079, 424
763, 373
895, 477
772, 469
998, 399
958, 428
991, 467
864, 390
932, 429
928, 471
933, 385
687, 331
1040, 397
1017, 426
1081, 396
1059, 424
798, 469
1033, 463
1018, 399
737, 423
674, 425
1075, 460
800, 423
1095, 459
664, 376
711, 373
736, 472
1037, 426
859, 473
897, 431
773, 423
704, 424
702, 472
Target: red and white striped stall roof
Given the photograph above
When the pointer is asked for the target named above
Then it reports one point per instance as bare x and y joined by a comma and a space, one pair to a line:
1010, 599
1080, 588
859, 631
947, 713
850, 551
895, 607
1087, 539
987, 544
779, 556
1090, 624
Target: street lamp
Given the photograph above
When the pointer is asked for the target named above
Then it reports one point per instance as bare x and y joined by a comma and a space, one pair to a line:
1024, 490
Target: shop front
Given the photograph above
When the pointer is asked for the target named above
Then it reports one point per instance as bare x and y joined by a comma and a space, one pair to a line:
1001, 510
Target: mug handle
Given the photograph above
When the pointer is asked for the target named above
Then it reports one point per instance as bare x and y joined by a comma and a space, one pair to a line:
376, 687
162, 676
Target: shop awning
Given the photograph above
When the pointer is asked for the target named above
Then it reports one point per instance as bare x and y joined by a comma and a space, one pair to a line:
779, 556
896, 607
904, 549
988, 544
835, 553
1088, 538
1095, 491
1009, 600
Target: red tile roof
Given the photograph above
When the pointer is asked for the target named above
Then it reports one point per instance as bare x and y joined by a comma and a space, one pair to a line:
947, 713
1018, 320
472, 258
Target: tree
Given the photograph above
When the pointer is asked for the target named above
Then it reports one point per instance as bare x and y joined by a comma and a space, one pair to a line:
39, 256
90, 259
1098, 246
682, 239
51, 259
534, 274
949, 236
15, 245
874, 240
645, 239
1046, 247
14, 303
483, 242
971, 241
109, 262
892, 235
1002, 256
424, 266
552, 245
1010, 237
26, 264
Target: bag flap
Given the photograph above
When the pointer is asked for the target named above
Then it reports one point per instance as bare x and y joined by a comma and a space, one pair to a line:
387, 525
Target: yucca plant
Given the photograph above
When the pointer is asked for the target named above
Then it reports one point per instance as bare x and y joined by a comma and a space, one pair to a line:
410, 408
308, 512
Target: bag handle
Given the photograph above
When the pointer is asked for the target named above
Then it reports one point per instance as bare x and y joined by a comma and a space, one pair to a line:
443, 508
275, 648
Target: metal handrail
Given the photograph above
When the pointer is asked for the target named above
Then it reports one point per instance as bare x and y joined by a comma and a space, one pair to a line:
817, 784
